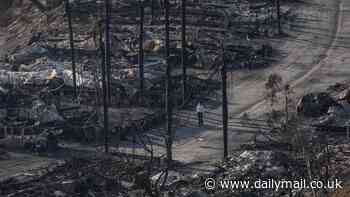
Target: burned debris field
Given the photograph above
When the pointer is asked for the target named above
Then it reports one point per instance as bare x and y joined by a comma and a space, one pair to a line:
174, 98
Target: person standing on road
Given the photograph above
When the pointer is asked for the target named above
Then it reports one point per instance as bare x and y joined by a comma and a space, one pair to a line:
200, 111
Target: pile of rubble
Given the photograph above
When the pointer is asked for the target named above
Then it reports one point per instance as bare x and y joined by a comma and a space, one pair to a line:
340, 160
315, 104
100, 177
41, 60
206, 23
4, 155
269, 163
328, 110
117, 177
77, 177
344, 192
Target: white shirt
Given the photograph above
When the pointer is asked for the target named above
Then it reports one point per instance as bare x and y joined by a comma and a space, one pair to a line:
199, 108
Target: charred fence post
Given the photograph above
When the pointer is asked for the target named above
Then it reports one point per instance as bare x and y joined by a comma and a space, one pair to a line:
105, 76
183, 52
141, 53
168, 88
71, 41
224, 103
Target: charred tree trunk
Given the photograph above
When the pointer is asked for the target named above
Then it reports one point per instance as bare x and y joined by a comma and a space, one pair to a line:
278, 7
224, 104
183, 52
106, 76
152, 10
71, 41
108, 48
141, 54
168, 107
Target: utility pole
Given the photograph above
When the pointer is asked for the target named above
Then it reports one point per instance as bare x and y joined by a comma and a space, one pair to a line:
71, 42
279, 16
183, 52
104, 90
106, 72
141, 54
224, 102
168, 107
108, 48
